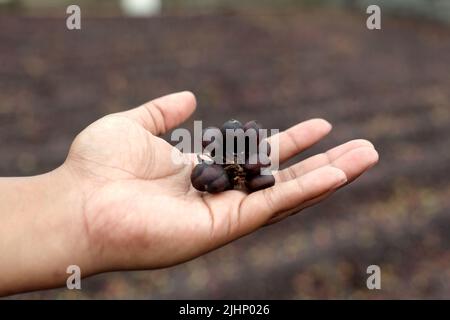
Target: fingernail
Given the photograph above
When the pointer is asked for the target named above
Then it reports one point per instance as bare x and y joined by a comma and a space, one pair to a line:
341, 181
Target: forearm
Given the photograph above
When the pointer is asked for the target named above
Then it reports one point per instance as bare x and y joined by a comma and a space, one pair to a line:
40, 231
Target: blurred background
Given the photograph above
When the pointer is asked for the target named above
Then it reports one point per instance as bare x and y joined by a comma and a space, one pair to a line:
279, 62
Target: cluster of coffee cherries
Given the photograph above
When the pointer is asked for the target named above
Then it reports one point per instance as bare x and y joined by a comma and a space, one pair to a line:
245, 154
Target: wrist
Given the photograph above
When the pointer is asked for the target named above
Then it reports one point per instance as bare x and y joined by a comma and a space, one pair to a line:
42, 231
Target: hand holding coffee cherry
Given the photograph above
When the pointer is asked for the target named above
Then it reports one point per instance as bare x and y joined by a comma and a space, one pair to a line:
133, 208
224, 171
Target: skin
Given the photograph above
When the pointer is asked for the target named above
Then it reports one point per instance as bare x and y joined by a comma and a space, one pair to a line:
119, 203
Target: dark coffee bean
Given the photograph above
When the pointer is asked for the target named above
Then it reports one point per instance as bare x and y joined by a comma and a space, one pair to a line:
253, 164
260, 182
231, 125
210, 177
233, 131
198, 181
253, 124
220, 184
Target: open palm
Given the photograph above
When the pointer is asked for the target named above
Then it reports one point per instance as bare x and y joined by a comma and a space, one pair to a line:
140, 210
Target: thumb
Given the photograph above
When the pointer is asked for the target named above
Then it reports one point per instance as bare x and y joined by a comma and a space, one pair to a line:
164, 113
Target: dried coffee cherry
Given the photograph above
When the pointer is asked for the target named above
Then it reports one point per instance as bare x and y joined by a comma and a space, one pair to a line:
260, 182
210, 177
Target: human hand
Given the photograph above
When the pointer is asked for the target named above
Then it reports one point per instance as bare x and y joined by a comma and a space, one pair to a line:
140, 210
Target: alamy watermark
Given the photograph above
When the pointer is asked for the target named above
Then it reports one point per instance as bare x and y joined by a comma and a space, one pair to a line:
73, 21
74, 280
374, 280
373, 22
